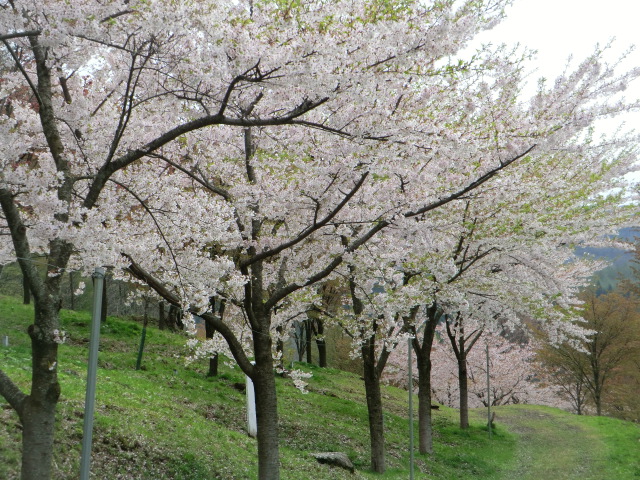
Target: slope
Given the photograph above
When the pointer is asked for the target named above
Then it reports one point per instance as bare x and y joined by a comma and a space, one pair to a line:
169, 421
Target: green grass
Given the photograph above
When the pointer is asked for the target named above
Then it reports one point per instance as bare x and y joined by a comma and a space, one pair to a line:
559, 445
169, 421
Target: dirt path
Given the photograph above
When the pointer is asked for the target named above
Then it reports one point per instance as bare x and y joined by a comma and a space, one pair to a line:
551, 445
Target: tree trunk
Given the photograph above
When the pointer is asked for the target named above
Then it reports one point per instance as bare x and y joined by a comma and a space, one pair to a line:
266, 408
213, 366
173, 319
464, 391
162, 319
374, 406
308, 340
38, 413
38, 422
143, 335
299, 342
103, 312
322, 345
425, 429
423, 361
462, 345
213, 360
597, 399
322, 352
26, 293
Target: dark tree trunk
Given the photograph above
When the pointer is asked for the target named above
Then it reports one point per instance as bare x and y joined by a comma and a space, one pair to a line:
425, 429
374, 406
174, 320
266, 407
299, 342
26, 292
38, 413
464, 391
597, 399
217, 308
423, 361
579, 397
103, 312
321, 344
72, 297
162, 319
143, 335
308, 339
372, 370
213, 366
462, 345
213, 360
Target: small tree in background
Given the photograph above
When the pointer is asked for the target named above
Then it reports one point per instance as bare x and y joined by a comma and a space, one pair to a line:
592, 364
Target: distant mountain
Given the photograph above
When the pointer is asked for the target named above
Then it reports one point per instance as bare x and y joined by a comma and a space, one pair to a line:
619, 260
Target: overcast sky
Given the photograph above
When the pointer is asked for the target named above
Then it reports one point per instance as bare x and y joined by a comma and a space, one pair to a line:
560, 28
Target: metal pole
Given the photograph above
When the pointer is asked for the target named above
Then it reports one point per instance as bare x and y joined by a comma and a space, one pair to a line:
90, 397
410, 413
488, 392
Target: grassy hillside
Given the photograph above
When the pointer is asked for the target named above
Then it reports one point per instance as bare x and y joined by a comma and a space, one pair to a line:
169, 421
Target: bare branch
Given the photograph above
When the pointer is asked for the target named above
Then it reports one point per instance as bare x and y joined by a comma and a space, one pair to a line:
20, 241
116, 15
12, 393
23, 71
26, 33
472, 186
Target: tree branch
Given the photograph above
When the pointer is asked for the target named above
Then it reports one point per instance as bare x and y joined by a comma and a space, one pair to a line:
311, 228
12, 393
24, 73
26, 33
206, 121
472, 186
20, 242
212, 320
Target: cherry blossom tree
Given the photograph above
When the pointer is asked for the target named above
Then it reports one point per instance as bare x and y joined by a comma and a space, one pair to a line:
90, 86
226, 150
512, 374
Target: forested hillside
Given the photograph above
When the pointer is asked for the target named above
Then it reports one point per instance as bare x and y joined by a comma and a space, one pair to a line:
618, 258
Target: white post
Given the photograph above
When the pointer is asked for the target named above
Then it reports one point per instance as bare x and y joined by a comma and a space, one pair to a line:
252, 422
5, 340
90, 397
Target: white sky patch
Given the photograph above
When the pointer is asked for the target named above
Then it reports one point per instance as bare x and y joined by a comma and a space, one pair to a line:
558, 29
